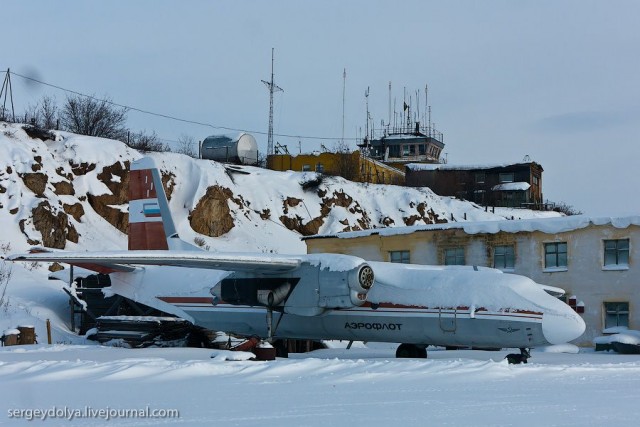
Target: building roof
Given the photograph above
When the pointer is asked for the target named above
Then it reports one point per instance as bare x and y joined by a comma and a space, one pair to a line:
544, 225
448, 166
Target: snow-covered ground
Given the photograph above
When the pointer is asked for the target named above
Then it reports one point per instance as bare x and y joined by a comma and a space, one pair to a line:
357, 387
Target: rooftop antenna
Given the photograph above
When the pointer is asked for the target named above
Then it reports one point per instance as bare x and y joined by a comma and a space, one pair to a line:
366, 96
389, 123
417, 105
7, 89
426, 100
272, 88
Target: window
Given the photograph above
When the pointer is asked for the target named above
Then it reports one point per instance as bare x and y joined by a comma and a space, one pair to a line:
616, 314
506, 177
454, 256
555, 255
422, 149
536, 180
319, 168
616, 252
401, 257
504, 257
480, 177
306, 168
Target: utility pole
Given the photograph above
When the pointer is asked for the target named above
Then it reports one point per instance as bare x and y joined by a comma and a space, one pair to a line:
7, 89
272, 88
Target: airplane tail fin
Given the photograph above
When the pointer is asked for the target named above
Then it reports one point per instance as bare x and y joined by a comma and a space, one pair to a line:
151, 226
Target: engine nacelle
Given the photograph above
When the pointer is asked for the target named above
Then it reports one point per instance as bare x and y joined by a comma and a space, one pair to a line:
361, 279
271, 298
345, 289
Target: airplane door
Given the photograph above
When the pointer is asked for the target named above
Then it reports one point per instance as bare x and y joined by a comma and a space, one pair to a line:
447, 320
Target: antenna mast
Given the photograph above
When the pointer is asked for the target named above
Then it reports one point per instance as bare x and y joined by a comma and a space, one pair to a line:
366, 132
344, 85
272, 88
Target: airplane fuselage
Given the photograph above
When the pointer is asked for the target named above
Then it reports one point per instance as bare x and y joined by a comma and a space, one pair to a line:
459, 327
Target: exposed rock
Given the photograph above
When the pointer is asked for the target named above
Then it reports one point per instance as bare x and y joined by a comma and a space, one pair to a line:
29, 240
265, 214
411, 220
76, 210
212, 216
82, 168
290, 202
338, 199
116, 217
68, 176
55, 267
64, 188
386, 221
36, 182
37, 165
35, 132
424, 215
54, 228
308, 229
2, 189
119, 188
13, 211
9, 170
168, 182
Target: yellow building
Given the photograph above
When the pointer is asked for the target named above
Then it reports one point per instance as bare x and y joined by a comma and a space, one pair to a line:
351, 166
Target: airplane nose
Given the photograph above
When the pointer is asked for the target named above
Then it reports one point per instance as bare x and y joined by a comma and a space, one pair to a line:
560, 328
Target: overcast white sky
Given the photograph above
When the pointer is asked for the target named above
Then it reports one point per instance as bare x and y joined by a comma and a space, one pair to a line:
558, 81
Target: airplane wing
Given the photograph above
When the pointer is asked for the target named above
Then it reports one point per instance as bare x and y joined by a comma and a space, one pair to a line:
112, 261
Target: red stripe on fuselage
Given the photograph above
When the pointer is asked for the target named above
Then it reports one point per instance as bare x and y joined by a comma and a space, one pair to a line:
382, 308
186, 300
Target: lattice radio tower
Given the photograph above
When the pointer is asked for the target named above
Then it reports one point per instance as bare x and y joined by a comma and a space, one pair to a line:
272, 88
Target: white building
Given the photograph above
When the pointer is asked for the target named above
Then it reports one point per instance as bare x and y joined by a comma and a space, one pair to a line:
596, 260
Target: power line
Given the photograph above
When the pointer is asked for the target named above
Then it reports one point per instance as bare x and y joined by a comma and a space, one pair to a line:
166, 116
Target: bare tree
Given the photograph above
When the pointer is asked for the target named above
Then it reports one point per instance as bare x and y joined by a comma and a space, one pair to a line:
49, 112
186, 145
145, 142
566, 209
5, 277
347, 162
32, 115
94, 117
42, 114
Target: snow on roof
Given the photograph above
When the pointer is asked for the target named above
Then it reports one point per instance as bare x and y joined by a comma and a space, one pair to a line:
512, 186
544, 225
448, 166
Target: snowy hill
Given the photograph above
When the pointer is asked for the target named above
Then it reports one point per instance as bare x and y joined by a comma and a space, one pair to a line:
70, 192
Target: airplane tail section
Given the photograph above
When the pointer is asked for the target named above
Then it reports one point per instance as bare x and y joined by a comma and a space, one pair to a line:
151, 226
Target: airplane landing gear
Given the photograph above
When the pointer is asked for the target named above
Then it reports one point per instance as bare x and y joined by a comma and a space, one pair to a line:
411, 351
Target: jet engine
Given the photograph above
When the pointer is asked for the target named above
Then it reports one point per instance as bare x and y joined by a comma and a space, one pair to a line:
344, 289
